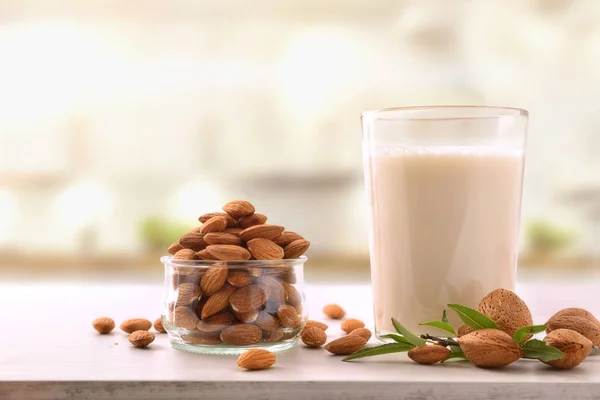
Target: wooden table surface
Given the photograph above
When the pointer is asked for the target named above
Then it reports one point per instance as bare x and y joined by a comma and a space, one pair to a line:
48, 350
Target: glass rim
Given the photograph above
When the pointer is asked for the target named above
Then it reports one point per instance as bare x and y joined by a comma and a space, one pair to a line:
287, 262
405, 112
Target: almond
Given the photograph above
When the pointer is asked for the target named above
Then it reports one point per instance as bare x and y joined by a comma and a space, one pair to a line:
202, 338
578, 324
264, 231
216, 323
248, 298
299, 308
267, 322
239, 208
251, 220
247, 317
135, 324
174, 248
292, 295
264, 249
185, 254
288, 316
193, 241
255, 359
573, 345
217, 302
185, 317
158, 325
274, 287
240, 278
141, 338
362, 332
315, 324
214, 224
241, 334
205, 255
187, 293
286, 238
346, 345
314, 337
228, 252
194, 276
577, 312
464, 329
334, 311
296, 248
213, 280
351, 324
230, 221
428, 354
507, 310
222, 238
274, 336
103, 325
490, 348
234, 231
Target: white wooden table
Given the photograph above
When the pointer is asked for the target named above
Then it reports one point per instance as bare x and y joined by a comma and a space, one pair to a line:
48, 350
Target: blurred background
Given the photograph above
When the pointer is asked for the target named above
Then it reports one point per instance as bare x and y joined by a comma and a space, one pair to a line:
123, 121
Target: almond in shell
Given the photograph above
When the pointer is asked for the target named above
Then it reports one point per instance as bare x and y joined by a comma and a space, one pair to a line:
573, 345
241, 334
578, 324
490, 348
507, 310
577, 312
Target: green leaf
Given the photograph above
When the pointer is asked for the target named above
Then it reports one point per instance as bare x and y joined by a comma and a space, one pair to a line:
397, 338
445, 317
378, 350
408, 335
441, 325
540, 350
456, 353
520, 336
473, 318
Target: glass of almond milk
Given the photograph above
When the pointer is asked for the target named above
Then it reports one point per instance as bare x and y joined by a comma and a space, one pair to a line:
444, 192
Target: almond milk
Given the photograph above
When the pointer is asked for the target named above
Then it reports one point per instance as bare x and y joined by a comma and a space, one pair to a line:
445, 225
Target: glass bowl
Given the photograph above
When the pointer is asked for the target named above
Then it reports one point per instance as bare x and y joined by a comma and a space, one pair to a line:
228, 307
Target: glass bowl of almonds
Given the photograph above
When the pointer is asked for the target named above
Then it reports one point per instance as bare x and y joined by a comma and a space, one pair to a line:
235, 283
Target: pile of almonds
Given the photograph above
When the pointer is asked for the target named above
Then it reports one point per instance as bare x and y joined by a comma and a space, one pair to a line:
232, 303
238, 234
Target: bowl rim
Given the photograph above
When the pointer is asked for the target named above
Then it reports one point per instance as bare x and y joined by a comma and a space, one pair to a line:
169, 261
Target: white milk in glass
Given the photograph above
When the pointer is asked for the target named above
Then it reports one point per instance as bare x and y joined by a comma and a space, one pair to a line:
444, 229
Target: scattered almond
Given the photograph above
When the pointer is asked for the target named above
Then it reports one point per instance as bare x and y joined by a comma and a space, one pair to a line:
241, 334
222, 238
104, 325
334, 311
141, 338
248, 298
159, 326
228, 252
315, 324
577, 312
264, 231
239, 208
286, 238
135, 324
240, 277
174, 248
351, 324
217, 302
251, 220
288, 316
346, 345
507, 310
214, 224
256, 359
314, 337
230, 221
185, 254
578, 324
428, 354
362, 332
573, 345
213, 280
464, 329
296, 248
193, 241
490, 348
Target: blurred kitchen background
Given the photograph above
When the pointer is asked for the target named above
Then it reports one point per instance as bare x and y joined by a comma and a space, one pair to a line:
122, 121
